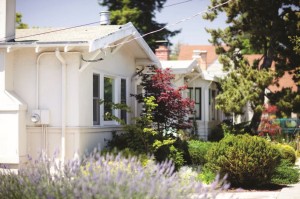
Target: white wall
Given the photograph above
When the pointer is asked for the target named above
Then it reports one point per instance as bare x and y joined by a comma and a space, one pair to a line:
81, 135
12, 115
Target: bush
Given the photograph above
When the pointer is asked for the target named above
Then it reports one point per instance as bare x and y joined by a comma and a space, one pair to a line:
247, 160
206, 175
99, 177
216, 134
286, 173
287, 152
197, 150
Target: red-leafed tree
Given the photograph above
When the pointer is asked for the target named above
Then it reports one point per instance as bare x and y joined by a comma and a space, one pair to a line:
268, 126
172, 110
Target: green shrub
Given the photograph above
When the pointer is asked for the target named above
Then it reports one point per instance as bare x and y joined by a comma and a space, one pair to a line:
287, 152
286, 173
216, 134
247, 160
206, 175
198, 150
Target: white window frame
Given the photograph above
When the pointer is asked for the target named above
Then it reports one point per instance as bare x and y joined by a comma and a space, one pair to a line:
116, 96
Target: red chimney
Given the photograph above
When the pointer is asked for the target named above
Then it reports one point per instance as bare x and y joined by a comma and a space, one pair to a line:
162, 53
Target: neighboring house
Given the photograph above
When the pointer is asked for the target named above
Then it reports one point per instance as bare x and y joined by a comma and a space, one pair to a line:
198, 68
51, 81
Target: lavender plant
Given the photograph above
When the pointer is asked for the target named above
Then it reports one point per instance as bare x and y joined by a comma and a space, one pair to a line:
101, 177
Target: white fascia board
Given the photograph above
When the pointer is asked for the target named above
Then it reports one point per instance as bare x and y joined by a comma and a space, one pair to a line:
13, 46
146, 48
206, 76
107, 40
126, 30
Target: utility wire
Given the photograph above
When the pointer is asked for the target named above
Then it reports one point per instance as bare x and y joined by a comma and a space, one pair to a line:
47, 32
167, 26
174, 4
135, 38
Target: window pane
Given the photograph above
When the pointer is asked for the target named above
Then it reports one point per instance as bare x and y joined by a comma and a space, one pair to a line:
96, 86
197, 97
108, 96
123, 99
197, 109
96, 108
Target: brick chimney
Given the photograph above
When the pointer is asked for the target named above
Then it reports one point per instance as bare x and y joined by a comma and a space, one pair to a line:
7, 20
162, 53
201, 57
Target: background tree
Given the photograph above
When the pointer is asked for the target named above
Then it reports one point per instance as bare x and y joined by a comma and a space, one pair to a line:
142, 15
267, 27
19, 23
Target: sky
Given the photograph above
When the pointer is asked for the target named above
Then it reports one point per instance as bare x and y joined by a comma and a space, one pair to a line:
68, 13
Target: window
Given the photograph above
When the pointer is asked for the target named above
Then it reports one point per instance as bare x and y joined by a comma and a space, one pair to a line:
195, 94
110, 90
96, 99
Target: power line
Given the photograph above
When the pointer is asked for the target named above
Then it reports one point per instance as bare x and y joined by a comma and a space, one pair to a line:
135, 38
167, 26
47, 32
174, 4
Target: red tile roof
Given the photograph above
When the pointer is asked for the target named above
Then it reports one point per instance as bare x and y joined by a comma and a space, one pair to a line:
186, 52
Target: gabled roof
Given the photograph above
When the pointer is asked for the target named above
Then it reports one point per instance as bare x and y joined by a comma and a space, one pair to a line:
186, 52
93, 37
180, 67
79, 34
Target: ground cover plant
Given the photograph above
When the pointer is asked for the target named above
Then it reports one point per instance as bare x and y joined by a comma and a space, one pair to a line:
98, 176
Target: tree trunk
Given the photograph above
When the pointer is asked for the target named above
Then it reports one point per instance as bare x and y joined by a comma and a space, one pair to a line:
255, 121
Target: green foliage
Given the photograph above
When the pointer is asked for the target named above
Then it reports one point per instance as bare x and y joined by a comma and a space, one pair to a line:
198, 150
286, 173
237, 91
142, 15
286, 100
141, 138
287, 152
269, 29
216, 134
19, 23
206, 175
247, 160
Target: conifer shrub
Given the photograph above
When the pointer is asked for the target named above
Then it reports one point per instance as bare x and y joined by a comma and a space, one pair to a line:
198, 150
287, 152
247, 160
286, 173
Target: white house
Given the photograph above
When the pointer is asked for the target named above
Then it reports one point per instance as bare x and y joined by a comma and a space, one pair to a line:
199, 69
51, 80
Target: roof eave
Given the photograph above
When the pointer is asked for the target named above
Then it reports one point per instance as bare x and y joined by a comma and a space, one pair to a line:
126, 31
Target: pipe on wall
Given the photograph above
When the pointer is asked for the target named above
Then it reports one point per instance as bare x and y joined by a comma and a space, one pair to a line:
63, 95
63, 104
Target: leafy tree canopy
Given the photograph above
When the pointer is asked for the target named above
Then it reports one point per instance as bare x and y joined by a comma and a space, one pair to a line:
254, 26
142, 15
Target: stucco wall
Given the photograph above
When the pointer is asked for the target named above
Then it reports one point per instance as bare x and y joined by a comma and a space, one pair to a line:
30, 68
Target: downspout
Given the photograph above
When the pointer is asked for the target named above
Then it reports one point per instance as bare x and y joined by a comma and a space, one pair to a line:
63, 103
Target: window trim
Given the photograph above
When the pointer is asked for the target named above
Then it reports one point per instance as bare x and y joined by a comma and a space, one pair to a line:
116, 97
193, 97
